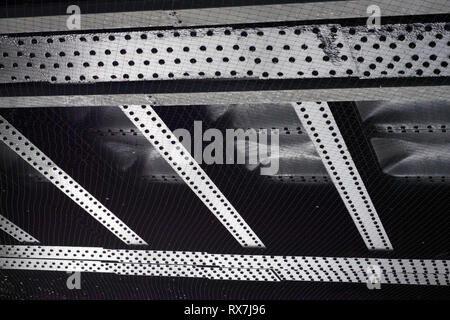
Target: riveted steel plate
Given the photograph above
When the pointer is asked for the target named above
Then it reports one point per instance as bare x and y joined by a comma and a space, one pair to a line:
401, 50
217, 53
319, 122
14, 231
224, 266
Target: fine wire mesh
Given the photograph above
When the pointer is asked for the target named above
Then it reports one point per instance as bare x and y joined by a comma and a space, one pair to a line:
309, 219
104, 15
316, 51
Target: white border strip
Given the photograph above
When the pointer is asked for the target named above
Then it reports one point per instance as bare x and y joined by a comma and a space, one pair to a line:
225, 266
195, 258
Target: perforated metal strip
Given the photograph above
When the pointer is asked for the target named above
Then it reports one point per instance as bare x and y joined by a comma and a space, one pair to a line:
42, 163
401, 50
242, 274
317, 119
315, 51
224, 266
253, 53
388, 278
213, 273
95, 266
167, 144
14, 231
160, 270
97, 253
415, 266
359, 264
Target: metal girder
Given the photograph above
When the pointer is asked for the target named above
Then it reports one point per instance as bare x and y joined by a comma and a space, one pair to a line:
401, 50
224, 266
211, 273
225, 15
14, 231
167, 144
43, 164
197, 258
395, 94
315, 51
318, 120
253, 53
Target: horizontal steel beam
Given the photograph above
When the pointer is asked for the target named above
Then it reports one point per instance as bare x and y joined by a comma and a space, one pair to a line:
160, 270
316, 10
225, 266
419, 93
200, 258
295, 52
